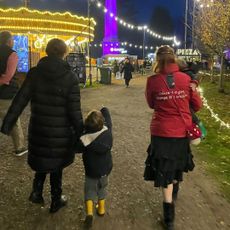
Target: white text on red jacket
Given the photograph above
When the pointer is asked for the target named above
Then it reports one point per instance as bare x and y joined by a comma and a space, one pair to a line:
169, 95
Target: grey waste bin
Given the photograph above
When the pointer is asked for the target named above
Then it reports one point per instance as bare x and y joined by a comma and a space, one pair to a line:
105, 75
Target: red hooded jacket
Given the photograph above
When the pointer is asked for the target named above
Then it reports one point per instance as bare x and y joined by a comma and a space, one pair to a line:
166, 120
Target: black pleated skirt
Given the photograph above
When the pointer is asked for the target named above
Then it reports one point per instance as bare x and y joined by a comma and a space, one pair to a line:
170, 158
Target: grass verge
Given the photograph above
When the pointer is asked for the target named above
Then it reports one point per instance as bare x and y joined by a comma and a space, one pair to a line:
95, 84
215, 149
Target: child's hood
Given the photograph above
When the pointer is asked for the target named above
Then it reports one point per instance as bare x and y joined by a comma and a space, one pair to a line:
88, 138
100, 142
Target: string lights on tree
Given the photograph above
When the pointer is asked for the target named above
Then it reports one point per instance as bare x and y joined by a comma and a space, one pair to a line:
136, 27
203, 3
213, 114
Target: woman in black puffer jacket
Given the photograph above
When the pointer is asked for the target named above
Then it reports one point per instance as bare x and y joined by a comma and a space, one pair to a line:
55, 122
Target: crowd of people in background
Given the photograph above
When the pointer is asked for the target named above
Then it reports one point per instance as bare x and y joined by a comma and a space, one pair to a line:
192, 67
125, 68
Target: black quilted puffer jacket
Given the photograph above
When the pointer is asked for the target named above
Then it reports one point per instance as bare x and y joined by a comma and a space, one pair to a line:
56, 118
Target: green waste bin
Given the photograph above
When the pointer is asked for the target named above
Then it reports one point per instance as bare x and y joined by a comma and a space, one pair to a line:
106, 74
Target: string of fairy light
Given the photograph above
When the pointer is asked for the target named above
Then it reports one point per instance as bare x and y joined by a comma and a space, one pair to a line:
131, 26
124, 44
203, 4
213, 114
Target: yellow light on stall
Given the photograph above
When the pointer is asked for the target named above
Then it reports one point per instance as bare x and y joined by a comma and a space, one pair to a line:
44, 28
45, 20
47, 12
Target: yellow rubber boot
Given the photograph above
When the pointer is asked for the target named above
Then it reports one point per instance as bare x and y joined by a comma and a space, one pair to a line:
89, 208
101, 208
89, 214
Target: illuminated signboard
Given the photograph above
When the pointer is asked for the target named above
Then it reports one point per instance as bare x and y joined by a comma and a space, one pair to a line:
188, 52
120, 50
22, 49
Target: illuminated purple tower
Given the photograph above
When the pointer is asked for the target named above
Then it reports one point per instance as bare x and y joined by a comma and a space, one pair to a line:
110, 41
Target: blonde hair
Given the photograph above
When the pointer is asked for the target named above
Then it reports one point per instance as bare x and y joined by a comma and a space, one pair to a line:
94, 121
165, 56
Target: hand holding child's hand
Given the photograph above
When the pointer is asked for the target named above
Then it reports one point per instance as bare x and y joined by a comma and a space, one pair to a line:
193, 86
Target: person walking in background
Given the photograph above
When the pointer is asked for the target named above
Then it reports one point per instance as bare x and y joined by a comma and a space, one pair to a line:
136, 66
96, 147
127, 69
121, 66
168, 92
115, 69
144, 65
9, 87
55, 123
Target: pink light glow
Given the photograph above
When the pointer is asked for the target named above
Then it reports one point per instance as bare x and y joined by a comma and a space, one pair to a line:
111, 30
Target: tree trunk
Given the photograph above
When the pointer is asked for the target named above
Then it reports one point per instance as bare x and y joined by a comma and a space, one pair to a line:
221, 79
212, 71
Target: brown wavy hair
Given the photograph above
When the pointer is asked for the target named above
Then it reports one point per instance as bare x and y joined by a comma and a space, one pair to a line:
94, 121
165, 56
56, 48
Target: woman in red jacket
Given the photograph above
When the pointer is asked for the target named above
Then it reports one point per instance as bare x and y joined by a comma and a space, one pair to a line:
168, 92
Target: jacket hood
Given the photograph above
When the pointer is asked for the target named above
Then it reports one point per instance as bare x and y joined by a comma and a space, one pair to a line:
88, 138
99, 142
53, 67
102, 144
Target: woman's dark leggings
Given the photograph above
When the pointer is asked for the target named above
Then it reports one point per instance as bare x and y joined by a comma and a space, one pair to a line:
55, 183
127, 82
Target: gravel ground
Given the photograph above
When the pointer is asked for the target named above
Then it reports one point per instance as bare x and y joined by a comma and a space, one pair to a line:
132, 203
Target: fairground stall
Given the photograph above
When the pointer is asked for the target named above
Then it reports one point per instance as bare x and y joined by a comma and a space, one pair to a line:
32, 29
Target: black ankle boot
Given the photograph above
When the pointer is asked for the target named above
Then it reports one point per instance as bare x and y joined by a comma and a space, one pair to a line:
169, 215
175, 191
56, 204
36, 194
36, 198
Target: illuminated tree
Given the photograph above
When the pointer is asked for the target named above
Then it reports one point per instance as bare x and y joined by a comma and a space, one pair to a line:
213, 30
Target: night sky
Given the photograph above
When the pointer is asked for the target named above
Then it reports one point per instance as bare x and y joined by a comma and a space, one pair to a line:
143, 13
176, 7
